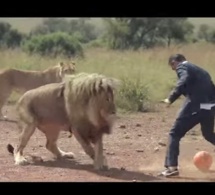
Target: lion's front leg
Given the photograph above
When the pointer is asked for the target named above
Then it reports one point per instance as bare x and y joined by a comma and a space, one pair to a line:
84, 144
100, 162
27, 132
51, 144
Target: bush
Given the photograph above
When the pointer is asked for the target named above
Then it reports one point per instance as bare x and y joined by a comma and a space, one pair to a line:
98, 43
81, 28
133, 96
53, 44
9, 38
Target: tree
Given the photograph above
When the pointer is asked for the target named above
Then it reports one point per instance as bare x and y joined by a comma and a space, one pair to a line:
117, 33
9, 38
175, 29
125, 33
204, 32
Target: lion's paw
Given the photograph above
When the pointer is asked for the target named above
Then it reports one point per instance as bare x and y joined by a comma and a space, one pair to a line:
68, 155
3, 117
21, 161
101, 165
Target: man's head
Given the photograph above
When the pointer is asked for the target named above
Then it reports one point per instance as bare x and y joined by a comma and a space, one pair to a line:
174, 60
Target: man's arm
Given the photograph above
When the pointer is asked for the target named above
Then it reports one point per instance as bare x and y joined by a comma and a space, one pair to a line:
182, 73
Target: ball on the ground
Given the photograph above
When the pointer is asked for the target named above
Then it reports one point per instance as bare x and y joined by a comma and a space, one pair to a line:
203, 161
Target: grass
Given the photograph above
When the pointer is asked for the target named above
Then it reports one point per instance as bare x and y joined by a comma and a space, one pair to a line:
146, 75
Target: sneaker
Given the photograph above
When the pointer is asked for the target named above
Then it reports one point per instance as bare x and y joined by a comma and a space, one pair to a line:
169, 172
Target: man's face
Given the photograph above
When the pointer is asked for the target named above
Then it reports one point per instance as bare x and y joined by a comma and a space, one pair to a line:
173, 64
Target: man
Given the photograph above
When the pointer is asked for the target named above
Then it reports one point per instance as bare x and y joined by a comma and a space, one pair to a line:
196, 85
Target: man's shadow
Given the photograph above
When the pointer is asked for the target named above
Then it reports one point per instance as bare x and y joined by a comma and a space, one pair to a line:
115, 173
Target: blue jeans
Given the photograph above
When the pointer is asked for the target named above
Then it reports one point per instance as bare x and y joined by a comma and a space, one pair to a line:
181, 126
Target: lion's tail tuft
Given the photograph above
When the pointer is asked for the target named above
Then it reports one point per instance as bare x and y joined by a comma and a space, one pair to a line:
10, 148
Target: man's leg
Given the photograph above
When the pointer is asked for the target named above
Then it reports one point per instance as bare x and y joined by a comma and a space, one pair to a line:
207, 125
181, 126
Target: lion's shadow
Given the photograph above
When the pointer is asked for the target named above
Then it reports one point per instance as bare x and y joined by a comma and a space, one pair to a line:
111, 172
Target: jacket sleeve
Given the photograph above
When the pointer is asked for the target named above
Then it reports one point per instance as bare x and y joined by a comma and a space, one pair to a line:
182, 73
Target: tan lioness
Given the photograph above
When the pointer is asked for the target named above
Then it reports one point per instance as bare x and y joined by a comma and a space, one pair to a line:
24, 80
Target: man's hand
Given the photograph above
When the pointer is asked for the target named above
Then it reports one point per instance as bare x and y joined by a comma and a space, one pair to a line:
166, 101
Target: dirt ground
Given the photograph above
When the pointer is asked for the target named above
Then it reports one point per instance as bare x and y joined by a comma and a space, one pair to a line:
135, 152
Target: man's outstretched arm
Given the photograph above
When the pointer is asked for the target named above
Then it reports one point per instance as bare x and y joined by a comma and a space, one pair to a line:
183, 76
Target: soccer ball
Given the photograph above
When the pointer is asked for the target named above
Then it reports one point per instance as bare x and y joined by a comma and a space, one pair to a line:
203, 161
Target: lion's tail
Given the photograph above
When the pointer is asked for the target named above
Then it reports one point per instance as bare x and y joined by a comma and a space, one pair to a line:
10, 148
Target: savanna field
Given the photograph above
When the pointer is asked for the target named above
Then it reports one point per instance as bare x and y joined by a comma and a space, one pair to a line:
145, 70
136, 135
136, 149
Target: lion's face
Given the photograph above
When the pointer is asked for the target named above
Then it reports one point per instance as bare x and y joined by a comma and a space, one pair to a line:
106, 105
91, 99
102, 111
67, 68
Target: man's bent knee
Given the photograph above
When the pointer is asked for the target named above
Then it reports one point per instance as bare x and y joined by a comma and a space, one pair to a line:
210, 137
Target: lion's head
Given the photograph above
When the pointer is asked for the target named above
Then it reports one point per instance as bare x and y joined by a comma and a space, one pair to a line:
65, 68
91, 97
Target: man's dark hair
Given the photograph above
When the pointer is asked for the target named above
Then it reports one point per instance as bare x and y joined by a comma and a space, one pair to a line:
177, 58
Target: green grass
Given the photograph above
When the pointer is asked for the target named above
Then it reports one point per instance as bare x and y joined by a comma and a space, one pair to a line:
147, 76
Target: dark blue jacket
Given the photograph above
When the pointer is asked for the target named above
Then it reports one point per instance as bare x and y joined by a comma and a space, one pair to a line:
195, 84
